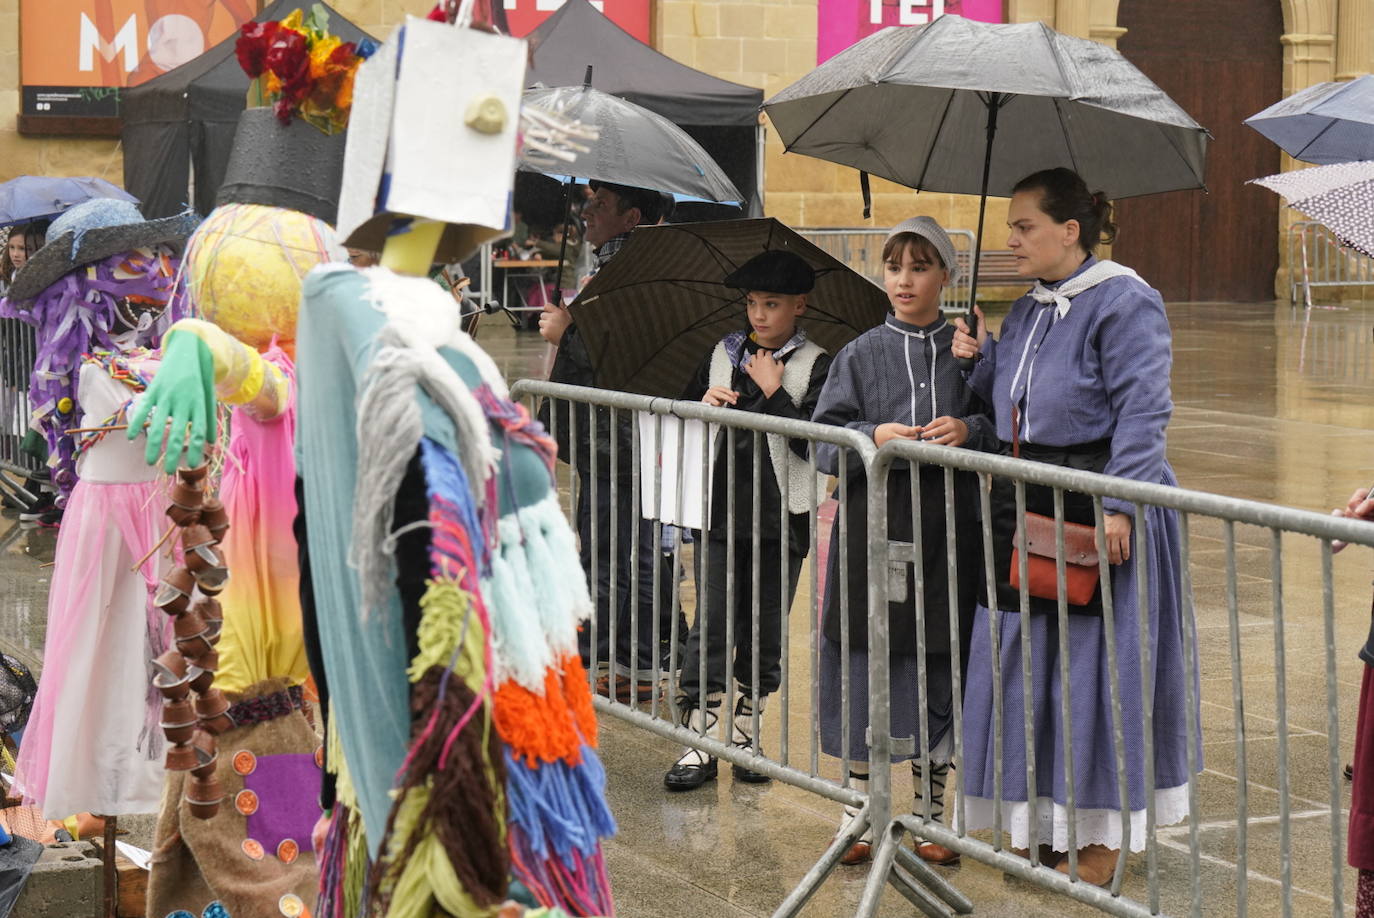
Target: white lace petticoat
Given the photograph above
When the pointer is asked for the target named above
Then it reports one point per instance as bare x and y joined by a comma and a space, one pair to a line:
1094, 827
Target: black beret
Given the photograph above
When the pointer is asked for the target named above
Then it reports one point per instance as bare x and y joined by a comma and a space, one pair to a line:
777, 271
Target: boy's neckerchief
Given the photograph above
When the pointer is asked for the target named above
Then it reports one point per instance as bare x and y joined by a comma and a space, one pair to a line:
734, 345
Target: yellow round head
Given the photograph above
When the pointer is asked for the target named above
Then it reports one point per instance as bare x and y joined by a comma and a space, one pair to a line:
244, 268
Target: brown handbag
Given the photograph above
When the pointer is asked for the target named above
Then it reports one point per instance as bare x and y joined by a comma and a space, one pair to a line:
1081, 570
1080, 560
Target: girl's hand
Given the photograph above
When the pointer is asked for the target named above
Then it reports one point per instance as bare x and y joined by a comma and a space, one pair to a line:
965, 345
1118, 526
893, 431
1360, 506
720, 396
765, 371
946, 431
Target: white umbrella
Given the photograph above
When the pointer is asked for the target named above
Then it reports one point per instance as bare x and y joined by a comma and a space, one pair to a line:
1340, 197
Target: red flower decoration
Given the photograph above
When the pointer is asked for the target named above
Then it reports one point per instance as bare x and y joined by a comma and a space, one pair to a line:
289, 58
437, 14
251, 48
343, 54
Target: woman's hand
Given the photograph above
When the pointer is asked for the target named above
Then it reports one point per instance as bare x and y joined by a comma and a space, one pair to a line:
1118, 528
945, 431
720, 396
892, 431
965, 346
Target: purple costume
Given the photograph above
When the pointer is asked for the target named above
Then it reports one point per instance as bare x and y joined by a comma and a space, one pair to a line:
1096, 373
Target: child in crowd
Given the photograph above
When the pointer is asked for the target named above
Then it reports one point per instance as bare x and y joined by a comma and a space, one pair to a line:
899, 380
774, 369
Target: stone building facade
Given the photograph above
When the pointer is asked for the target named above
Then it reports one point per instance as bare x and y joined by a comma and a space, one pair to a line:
766, 44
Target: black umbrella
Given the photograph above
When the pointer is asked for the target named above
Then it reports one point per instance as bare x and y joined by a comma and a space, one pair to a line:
655, 311
912, 104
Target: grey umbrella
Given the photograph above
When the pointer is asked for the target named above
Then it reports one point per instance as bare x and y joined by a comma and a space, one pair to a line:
655, 311
637, 147
916, 105
1323, 124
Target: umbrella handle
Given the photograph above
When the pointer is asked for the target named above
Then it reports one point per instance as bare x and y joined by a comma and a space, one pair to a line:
966, 363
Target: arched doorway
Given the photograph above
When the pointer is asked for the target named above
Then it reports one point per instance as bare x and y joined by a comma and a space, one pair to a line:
1222, 61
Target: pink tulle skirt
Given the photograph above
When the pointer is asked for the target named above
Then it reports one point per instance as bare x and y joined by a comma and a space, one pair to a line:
93, 743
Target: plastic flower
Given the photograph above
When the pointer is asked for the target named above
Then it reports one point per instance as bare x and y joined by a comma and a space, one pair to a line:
251, 47
289, 59
321, 55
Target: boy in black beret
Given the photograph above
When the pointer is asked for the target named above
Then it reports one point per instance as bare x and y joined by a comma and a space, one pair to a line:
772, 367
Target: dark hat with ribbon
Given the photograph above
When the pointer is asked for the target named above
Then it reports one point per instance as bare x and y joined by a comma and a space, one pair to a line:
294, 166
775, 271
91, 232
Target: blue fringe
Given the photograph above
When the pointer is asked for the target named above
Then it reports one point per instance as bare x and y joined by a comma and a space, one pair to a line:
560, 807
445, 478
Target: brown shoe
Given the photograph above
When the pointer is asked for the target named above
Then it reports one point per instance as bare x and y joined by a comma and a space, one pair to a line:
626, 692
936, 854
861, 852
1048, 856
1096, 864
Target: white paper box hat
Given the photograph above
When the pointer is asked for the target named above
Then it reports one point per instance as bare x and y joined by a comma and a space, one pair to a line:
432, 135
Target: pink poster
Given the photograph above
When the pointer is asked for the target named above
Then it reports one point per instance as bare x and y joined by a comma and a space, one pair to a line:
840, 23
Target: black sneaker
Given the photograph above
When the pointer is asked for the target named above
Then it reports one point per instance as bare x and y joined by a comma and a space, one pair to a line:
34, 513
51, 518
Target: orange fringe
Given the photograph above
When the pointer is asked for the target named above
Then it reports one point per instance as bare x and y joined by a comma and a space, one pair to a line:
552, 725
579, 696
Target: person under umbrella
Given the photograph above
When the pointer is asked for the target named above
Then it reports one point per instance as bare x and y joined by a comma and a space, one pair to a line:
625, 578
1079, 378
908, 104
773, 368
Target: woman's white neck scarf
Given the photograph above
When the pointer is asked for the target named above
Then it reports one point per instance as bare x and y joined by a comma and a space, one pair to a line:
1062, 295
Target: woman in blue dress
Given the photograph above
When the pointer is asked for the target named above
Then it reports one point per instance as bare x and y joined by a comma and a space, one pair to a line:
1082, 370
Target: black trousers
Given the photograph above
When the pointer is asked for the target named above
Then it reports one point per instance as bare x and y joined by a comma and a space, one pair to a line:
712, 607
615, 590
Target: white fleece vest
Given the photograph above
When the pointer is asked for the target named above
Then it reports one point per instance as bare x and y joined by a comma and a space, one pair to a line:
807, 489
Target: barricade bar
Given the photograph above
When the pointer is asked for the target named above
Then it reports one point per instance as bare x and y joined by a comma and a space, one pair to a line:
1254, 588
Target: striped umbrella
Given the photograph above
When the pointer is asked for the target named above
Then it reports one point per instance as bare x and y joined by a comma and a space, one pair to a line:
654, 312
1340, 197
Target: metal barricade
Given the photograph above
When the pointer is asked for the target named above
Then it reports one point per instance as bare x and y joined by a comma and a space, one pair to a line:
712, 706
1239, 575
861, 248
1316, 259
17, 355
1245, 689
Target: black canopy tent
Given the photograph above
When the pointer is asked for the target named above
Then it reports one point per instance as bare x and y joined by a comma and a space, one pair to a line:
721, 116
179, 126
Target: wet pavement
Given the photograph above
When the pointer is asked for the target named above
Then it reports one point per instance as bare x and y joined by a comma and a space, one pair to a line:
1271, 406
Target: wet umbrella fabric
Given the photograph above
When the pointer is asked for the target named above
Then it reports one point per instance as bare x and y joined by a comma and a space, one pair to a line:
1324, 124
636, 147
33, 197
972, 107
655, 311
910, 104
1340, 197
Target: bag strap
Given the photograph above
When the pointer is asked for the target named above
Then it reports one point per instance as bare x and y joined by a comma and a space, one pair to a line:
1015, 432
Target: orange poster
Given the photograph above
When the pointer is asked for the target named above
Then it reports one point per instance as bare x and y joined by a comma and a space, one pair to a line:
69, 45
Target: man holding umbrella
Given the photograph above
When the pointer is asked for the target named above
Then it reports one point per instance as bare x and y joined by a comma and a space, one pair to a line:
621, 576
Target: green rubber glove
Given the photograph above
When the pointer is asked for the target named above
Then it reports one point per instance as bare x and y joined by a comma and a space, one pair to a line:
182, 394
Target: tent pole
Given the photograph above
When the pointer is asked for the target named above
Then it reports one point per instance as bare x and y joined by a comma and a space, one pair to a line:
760, 144
994, 103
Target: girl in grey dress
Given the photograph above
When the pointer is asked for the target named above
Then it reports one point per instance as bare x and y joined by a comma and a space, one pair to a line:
899, 380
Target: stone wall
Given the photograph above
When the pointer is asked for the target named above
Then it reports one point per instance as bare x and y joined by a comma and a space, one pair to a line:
766, 44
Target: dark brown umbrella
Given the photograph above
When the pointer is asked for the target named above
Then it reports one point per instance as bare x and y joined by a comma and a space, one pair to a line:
653, 314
